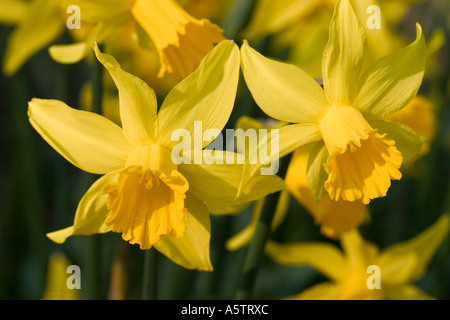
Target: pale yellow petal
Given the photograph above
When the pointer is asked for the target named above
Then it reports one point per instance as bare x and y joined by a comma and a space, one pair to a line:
323, 257
390, 83
12, 11
91, 212
206, 97
191, 251
87, 140
275, 145
422, 249
343, 55
138, 105
281, 90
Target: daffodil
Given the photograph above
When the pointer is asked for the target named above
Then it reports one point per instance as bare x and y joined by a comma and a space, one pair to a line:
37, 24
143, 194
359, 150
180, 40
361, 271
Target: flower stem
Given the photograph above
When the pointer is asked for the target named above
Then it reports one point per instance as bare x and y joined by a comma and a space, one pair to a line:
255, 252
150, 275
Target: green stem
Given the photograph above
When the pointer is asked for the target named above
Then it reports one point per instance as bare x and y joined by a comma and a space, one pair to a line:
255, 252
150, 275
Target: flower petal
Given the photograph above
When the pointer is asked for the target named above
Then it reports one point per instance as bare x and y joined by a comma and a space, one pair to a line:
207, 95
12, 11
191, 250
392, 81
105, 31
216, 183
315, 173
87, 140
289, 138
281, 90
343, 54
323, 257
91, 212
406, 140
422, 248
32, 33
138, 105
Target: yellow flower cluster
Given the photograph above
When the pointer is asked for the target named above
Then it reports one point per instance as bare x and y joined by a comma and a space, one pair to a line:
350, 134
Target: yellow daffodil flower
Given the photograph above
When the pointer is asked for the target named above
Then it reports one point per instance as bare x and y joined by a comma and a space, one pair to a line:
359, 150
37, 24
180, 40
353, 271
56, 285
143, 194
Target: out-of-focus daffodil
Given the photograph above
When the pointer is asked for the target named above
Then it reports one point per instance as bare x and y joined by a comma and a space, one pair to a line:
56, 287
334, 217
180, 40
419, 115
360, 151
399, 265
143, 194
36, 25
302, 26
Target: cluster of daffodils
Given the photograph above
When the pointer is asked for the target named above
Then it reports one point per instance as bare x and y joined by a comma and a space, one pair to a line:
346, 133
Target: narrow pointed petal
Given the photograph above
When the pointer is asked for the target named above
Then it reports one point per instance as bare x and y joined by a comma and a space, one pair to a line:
87, 140
281, 90
91, 212
206, 96
406, 140
33, 33
138, 105
191, 251
393, 81
323, 257
343, 55
422, 249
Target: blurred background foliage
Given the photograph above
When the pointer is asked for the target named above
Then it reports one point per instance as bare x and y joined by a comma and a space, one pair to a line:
39, 190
